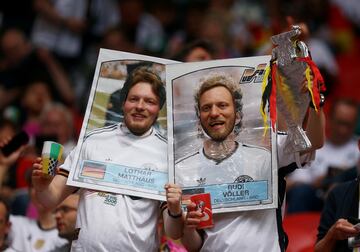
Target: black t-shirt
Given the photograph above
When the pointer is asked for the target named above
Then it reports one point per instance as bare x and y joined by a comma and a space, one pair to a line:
342, 202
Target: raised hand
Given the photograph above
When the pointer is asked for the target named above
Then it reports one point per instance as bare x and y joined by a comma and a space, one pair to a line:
11, 159
173, 198
40, 180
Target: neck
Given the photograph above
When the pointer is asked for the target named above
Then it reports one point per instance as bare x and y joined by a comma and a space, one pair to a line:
3, 244
46, 220
219, 150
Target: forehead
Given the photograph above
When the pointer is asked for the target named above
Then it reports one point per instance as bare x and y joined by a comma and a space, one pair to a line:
71, 201
216, 94
198, 54
143, 89
346, 111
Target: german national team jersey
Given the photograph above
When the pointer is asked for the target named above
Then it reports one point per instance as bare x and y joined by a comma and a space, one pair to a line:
115, 222
27, 235
255, 230
246, 163
116, 144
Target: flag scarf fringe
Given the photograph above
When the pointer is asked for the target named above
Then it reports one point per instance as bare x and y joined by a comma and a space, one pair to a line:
266, 81
272, 81
318, 84
273, 96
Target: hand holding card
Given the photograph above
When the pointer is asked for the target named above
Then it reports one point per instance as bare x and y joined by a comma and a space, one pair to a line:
203, 204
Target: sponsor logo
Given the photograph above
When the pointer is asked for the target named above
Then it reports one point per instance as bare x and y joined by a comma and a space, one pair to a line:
255, 75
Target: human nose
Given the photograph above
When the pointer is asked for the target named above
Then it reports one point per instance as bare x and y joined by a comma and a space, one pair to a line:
58, 215
140, 105
214, 111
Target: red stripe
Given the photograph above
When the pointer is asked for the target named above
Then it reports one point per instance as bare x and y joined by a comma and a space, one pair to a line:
318, 82
273, 96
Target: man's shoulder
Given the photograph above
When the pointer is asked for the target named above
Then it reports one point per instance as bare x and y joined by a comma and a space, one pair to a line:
101, 131
188, 158
159, 136
345, 188
21, 220
255, 148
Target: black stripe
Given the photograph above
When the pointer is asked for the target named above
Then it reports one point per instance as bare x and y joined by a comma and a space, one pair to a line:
184, 158
282, 172
161, 137
63, 172
101, 130
283, 238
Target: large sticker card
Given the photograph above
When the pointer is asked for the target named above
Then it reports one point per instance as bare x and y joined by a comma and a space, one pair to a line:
110, 156
216, 136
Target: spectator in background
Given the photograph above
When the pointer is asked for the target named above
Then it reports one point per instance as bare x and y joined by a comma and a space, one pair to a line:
190, 29
141, 28
35, 234
65, 215
33, 100
103, 15
338, 217
335, 162
58, 27
115, 39
9, 187
21, 65
198, 50
29, 234
56, 123
7, 128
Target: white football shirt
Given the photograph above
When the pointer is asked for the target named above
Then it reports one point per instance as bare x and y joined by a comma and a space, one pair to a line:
26, 235
115, 222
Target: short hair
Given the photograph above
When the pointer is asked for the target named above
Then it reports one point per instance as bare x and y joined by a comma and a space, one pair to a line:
144, 74
221, 80
202, 43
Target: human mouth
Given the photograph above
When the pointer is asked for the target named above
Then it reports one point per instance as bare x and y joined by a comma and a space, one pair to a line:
138, 116
216, 124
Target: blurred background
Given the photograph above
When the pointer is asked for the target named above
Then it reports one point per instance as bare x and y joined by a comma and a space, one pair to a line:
49, 48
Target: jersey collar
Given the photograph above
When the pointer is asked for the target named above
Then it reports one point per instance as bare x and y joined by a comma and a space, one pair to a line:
126, 131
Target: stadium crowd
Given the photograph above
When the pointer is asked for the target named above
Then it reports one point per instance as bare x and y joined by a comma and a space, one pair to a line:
48, 53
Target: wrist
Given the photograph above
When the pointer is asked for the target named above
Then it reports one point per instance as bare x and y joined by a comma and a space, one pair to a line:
321, 103
175, 216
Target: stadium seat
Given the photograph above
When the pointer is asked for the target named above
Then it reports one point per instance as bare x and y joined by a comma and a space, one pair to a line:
302, 230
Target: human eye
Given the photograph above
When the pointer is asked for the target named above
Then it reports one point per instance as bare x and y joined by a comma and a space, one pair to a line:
151, 101
223, 105
205, 108
132, 99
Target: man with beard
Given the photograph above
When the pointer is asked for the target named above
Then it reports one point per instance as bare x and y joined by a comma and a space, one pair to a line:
224, 160
65, 215
109, 221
